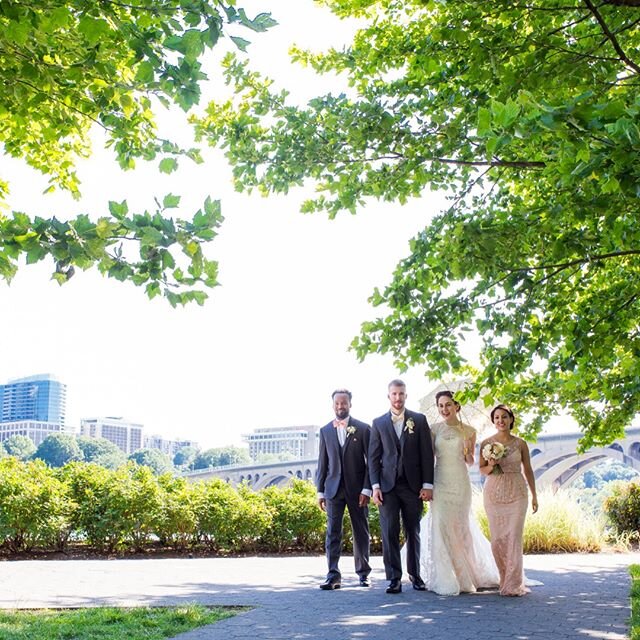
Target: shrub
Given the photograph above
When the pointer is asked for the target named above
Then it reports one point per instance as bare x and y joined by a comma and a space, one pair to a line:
223, 519
559, 526
298, 523
35, 509
257, 518
177, 521
87, 487
622, 509
117, 509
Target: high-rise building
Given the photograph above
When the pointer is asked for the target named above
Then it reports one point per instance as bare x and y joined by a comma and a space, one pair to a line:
301, 443
126, 435
40, 398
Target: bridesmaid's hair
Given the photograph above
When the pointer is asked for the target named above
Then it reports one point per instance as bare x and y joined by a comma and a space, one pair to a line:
448, 394
337, 392
504, 407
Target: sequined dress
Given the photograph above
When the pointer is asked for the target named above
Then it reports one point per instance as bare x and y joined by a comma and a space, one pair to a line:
505, 501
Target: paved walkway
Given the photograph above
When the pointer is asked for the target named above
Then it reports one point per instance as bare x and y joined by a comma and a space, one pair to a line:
584, 597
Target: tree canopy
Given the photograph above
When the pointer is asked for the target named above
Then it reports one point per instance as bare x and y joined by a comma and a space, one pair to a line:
58, 449
221, 457
71, 66
153, 458
526, 115
101, 451
185, 456
19, 446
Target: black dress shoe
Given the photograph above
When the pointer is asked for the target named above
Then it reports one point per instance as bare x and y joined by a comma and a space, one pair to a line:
330, 584
395, 586
418, 584
365, 582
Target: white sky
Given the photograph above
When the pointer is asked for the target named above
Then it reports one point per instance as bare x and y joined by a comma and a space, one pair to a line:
269, 345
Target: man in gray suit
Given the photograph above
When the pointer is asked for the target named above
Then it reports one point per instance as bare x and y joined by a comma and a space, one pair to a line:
401, 473
343, 482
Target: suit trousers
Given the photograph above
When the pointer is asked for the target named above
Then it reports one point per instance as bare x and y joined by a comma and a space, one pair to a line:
359, 517
400, 500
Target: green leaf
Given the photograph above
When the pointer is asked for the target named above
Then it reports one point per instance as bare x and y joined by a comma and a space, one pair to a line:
145, 72
118, 210
168, 165
171, 201
241, 43
484, 122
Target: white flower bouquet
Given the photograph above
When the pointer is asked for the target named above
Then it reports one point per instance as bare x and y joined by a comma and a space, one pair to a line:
494, 451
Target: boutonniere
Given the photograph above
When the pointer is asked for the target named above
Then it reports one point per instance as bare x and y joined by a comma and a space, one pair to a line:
410, 426
351, 430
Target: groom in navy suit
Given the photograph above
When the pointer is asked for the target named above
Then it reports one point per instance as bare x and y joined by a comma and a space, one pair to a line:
401, 472
343, 482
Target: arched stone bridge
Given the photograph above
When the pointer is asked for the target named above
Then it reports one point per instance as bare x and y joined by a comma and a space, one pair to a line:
556, 463
553, 458
260, 476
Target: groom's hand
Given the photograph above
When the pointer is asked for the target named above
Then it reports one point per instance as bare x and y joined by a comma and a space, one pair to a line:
323, 503
363, 500
377, 497
426, 495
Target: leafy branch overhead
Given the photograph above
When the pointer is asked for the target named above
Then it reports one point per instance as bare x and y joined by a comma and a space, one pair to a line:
526, 114
169, 258
72, 65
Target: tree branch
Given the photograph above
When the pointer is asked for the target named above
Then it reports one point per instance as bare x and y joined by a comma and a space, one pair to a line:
585, 260
623, 3
521, 164
610, 36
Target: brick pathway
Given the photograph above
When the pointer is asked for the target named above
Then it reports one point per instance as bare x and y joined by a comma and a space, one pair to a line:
584, 597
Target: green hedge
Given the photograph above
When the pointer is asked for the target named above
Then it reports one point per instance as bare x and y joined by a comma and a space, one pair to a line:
130, 509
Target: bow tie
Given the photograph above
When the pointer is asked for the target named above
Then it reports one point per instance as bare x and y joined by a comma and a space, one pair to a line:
340, 423
397, 417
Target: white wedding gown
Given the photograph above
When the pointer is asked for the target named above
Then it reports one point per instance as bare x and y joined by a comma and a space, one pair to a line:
455, 557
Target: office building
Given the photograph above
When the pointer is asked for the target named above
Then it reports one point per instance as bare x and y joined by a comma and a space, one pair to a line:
168, 447
37, 431
126, 435
301, 443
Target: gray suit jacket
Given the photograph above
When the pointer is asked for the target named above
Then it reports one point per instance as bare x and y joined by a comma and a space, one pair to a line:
346, 464
413, 453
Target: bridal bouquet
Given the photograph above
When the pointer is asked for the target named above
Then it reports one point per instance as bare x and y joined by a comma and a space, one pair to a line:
494, 451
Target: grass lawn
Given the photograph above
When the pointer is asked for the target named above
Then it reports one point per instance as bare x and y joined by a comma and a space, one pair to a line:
634, 570
143, 623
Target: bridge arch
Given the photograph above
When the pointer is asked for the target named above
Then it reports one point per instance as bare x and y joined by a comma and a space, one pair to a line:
560, 469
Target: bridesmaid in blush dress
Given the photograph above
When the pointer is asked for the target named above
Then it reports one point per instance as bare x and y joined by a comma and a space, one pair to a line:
504, 458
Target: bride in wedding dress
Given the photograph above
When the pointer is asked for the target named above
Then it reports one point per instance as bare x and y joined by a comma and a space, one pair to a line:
455, 556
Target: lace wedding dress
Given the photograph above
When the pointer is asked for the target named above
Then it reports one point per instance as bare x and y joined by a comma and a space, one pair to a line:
455, 556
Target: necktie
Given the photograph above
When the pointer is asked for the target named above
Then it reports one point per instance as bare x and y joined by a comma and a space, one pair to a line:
398, 423
340, 423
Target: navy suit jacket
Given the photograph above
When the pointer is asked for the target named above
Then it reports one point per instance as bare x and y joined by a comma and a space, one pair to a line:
414, 451
346, 464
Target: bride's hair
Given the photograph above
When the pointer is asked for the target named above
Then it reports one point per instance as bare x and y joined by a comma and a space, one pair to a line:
448, 394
